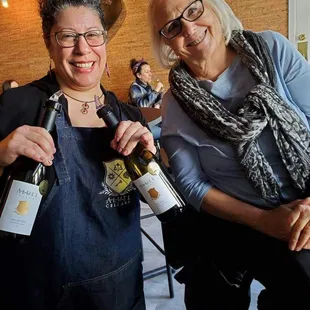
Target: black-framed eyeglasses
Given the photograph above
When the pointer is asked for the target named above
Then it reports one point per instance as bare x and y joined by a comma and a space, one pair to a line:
67, 38
190, 13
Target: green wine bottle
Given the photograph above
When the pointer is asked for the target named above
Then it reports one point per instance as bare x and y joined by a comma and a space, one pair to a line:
25, 184
148, 175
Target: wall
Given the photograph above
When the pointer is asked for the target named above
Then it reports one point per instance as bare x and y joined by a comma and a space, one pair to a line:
24, 57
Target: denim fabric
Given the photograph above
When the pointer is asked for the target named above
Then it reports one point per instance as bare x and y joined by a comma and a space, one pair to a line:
85, 248
120, 289
142, 95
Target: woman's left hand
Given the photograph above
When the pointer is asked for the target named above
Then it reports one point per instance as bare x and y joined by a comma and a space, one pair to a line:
300, 236
128, 134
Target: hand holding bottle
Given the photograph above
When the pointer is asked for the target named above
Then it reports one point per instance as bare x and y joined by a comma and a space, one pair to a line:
159, 86
144, 169
30, 141
128, 134
26, 182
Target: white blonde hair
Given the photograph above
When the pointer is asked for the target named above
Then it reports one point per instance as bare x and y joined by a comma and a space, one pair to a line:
164, 53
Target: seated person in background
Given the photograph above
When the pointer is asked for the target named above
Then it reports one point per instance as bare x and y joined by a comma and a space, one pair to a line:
9, 84
141, 93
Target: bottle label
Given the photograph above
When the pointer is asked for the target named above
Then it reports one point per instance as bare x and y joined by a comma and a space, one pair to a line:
21, 208
153, 188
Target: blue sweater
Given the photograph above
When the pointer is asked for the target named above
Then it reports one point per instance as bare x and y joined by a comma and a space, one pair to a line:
200, 162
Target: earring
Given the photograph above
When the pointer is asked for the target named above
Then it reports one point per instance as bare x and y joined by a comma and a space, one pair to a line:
50, 72
107, 69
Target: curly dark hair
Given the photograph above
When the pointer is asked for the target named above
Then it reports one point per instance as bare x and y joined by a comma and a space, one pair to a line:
136, 65
50, 8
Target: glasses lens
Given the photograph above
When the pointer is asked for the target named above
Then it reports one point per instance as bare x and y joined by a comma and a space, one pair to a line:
66, 38
172, 29
194, 11
95, 38
191, 13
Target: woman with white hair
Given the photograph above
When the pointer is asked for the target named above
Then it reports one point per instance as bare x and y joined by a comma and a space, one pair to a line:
236, 131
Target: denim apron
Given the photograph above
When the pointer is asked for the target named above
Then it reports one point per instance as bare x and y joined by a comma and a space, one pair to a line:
85, 248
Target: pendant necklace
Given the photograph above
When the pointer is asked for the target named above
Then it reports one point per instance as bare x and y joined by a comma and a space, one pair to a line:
85, 104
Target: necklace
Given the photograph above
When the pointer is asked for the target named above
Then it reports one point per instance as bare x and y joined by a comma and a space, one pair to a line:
85, 104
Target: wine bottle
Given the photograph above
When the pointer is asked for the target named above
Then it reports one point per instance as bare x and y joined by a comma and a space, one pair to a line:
148, 175
25, 183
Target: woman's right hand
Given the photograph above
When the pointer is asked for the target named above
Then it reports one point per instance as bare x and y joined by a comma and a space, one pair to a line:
289, 222
33, 142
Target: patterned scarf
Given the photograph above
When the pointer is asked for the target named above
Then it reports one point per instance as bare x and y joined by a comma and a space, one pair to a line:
262, 106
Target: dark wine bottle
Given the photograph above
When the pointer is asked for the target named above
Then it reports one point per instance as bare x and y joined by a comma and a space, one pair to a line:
148, 175
25, 184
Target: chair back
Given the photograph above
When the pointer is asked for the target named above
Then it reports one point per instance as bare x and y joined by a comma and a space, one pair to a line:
151, 115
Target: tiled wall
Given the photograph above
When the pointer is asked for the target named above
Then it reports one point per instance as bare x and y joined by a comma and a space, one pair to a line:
24, 57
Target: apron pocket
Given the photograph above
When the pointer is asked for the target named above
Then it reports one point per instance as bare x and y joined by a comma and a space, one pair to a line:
121, 289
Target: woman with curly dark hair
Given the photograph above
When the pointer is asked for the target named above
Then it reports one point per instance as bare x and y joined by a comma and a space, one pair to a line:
84, 251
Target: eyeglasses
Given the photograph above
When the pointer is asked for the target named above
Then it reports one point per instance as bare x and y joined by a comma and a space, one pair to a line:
70, 38
191, 13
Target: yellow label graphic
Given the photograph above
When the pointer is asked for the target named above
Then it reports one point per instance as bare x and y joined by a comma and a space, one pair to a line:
22, 208
117, 177
153, 193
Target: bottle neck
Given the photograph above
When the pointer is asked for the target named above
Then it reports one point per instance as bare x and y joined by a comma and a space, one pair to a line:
107, 114
52, 108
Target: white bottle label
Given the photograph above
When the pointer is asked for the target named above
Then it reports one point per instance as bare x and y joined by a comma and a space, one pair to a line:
21, 208
154, 190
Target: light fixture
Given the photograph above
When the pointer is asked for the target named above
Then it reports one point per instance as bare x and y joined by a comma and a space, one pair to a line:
5, 3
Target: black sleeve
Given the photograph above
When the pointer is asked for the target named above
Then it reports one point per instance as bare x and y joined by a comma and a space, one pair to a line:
134, 113
125, 111
19, 106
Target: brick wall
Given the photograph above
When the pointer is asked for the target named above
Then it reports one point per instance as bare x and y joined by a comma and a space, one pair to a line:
24, 57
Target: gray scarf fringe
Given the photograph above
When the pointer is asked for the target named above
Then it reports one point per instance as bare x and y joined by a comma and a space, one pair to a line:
262, 106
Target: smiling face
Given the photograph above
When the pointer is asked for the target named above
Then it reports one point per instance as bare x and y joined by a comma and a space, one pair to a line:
199, 39
145, 74
79, 67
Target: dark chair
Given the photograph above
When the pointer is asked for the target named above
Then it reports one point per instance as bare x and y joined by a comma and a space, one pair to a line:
153, 117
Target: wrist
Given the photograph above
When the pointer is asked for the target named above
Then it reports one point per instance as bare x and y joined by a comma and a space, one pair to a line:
257, 219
